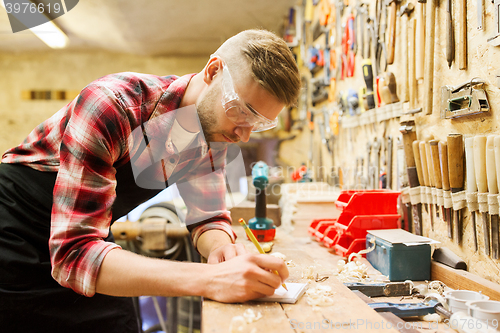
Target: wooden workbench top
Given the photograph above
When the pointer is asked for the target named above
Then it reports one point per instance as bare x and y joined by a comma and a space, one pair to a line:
348, 309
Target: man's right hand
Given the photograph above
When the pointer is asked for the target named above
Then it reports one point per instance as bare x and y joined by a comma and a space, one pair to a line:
245, 277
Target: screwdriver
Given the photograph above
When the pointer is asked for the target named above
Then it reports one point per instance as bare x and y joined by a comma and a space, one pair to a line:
368, 76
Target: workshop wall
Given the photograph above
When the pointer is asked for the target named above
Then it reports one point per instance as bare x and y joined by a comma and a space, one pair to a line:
355, 131
70, 72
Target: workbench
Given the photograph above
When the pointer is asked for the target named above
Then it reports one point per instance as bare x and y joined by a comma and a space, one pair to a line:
348, 309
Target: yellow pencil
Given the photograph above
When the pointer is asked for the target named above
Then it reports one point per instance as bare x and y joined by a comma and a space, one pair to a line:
257, 244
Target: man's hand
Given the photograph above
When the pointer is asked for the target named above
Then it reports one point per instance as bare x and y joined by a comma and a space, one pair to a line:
244, 278
226, 252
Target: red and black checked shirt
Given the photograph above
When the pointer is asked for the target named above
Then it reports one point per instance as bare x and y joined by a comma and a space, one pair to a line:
84, 142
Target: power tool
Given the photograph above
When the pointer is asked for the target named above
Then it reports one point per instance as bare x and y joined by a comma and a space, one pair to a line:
262, 227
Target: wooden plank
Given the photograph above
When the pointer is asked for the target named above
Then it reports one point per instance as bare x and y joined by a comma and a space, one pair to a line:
460, 279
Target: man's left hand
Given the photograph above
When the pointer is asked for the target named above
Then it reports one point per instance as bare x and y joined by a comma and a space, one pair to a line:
226, 252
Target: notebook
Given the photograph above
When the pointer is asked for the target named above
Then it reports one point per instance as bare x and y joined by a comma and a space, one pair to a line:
295, 291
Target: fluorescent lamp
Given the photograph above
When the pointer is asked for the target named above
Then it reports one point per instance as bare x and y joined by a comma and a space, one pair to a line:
49, 33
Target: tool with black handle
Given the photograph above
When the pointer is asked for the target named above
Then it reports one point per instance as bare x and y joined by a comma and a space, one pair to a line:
368, 77
456, 172
482, 186
472, 186
443, 161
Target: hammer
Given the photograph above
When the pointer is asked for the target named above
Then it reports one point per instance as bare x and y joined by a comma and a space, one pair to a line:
405, 11
391, 30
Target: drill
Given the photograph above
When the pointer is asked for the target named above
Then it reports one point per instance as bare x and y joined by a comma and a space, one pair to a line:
262, 227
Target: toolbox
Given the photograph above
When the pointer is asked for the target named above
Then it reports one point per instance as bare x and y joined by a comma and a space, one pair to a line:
399, 254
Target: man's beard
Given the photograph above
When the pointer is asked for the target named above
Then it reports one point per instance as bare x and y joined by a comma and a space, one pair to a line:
206, 114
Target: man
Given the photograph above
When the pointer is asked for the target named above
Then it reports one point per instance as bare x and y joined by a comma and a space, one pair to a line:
82, 168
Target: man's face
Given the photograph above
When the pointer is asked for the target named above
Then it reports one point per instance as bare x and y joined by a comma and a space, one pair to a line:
215, 124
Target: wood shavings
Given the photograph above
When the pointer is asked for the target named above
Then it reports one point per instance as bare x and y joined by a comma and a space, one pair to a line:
353, 271
432, 317
279, 255
290, 263
437, 287
250, 316
239, 323
309, 273
320, 296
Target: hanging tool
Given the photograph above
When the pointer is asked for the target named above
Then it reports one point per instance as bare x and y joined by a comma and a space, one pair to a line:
412, 75
425, 174
456, 172
472, 186
436, 169
480, 16
376, 151
390, 289
430, 15
368, 76
420, 40
310, 116
462, 34
491, 175
389, 161
432, 181
409, 135
391, 30
448, 203
495, 39
348, 40
450, 46
378, 40
482, 186
404, 13
465, 99
261, 226
388, 88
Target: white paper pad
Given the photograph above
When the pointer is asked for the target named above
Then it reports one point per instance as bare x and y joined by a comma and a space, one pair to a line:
295, 291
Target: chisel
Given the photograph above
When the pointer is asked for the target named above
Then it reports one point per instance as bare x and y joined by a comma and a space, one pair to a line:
409, 135
443, 160
432, 183
494, 228
471, 185
425, 170
456, 172
436, 166
491, 176
482, 186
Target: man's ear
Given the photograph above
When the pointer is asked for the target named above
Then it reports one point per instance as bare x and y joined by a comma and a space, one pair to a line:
211, 69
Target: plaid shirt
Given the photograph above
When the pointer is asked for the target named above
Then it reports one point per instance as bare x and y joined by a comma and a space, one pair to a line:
85, 142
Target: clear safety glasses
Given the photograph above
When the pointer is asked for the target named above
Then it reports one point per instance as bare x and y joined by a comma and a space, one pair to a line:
237, 111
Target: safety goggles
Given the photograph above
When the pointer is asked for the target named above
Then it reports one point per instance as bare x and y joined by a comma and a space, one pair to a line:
237, 111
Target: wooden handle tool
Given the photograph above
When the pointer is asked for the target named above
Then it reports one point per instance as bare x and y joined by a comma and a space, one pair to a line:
492, 150
423, 158
443, 161
420, 41
418, 161
482, 184
435, 162
471, 181
456, 172
391, 32
430, 16
450, 46
461, 6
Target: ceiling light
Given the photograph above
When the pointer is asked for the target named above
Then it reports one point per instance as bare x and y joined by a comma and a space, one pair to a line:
49, 33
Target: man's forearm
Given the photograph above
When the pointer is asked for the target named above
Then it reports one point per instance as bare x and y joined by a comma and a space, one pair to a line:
211, 240
123, 273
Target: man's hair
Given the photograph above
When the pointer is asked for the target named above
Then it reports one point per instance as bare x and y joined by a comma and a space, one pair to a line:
270, 60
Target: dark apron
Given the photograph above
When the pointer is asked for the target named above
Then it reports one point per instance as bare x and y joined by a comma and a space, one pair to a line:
30, 299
